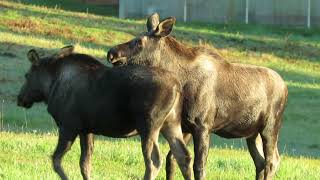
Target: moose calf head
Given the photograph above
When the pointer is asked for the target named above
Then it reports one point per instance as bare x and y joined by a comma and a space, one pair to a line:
145, 47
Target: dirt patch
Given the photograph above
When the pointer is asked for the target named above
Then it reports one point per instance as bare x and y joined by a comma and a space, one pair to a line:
25, 24
62, 31
89, 39
3, 5
30, 26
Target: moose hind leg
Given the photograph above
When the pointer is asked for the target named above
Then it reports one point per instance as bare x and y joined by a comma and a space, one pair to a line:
170, 160
255, 147
178, 148
170, 166
65, 141
151, 154
87, 145
270, 142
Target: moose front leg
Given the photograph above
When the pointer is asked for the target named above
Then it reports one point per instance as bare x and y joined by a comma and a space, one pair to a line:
151, 154
87, 145
201, 138
65, 141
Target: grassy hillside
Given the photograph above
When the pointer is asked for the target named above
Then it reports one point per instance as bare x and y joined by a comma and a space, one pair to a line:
294, 53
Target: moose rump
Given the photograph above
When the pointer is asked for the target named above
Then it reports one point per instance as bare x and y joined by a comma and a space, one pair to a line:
85, 97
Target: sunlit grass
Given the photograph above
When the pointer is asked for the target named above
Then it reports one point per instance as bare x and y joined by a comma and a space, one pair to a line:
122, 159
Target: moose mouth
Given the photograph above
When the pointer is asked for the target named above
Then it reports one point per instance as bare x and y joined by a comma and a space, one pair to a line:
119, 62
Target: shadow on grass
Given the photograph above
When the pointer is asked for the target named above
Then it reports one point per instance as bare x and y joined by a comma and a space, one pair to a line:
15, 118
279, 46
75, 6
299, 78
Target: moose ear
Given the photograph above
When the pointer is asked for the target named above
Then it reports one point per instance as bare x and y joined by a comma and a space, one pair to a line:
165, 27
65, 51
33, 57
153, 22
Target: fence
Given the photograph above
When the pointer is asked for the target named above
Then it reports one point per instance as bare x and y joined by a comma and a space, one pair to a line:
277, 12
101, 2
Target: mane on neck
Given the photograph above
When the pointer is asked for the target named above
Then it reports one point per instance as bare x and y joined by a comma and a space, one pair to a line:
190, 53
181, 49
85, 61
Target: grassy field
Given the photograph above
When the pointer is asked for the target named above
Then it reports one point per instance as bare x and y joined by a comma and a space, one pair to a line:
25, 144
122, 159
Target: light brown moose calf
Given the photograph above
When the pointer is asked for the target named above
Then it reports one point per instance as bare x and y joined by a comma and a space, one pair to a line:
229, 99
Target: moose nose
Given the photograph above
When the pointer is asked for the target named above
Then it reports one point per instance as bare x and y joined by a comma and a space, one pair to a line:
112, 54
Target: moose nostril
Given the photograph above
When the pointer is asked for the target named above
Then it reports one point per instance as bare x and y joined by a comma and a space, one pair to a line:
110, 55
113, 54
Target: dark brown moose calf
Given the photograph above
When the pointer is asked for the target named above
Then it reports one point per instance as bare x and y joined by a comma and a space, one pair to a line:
85, 97
229, 99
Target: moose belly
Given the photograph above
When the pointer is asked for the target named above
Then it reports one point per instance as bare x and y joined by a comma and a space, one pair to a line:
235, 132
117, 134
238, 127
240, 117
114, 126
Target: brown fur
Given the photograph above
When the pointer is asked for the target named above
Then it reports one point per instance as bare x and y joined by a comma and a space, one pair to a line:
84, 97
180, 49
229, 99
190, 53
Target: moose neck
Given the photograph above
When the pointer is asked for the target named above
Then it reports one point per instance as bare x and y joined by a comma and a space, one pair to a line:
179, 50
175, 56
66, 70
55, 71
48, 81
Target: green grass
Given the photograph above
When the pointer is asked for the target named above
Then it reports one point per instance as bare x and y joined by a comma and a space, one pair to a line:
27, 156
293, 52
